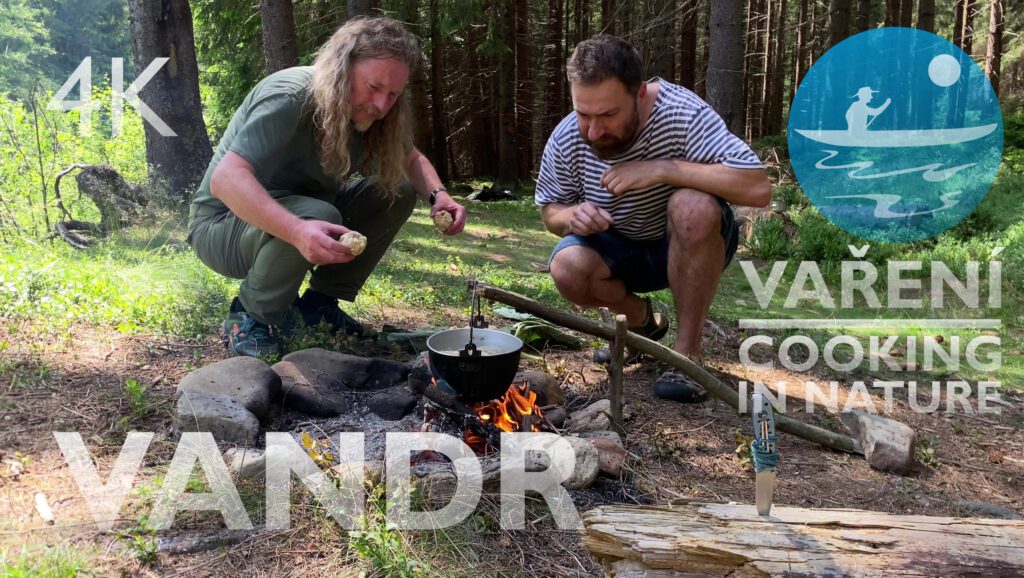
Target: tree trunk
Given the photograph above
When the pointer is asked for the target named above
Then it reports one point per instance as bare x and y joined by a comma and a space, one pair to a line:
892, 12
970, 13
505, 24
409, 13
958, 23
656, 44
754, 71
725, 63
768, 36
994, 52
906, 13
839, 21
482, 142
524, 90
802, 37
163, 28
280, 49
608, 16
863, 16
688, 44
555, 67
361, 8
701, 84
926, 15
696, 539
777, 70
439, 148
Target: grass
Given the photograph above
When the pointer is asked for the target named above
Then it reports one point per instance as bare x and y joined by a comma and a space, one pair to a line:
146, 279
61, 561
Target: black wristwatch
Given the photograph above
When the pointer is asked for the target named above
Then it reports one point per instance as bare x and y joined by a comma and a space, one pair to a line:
433, 194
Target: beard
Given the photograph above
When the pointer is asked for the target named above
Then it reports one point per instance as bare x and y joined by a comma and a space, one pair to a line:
609, 146
364, 125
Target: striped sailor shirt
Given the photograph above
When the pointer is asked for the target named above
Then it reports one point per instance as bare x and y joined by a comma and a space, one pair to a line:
681, 127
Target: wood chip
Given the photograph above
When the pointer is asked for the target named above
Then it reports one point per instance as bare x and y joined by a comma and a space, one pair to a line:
43, 508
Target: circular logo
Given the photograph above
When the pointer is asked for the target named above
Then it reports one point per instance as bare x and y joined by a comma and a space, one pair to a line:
895, 135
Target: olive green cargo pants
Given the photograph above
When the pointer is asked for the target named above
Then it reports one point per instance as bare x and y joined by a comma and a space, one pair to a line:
272, 270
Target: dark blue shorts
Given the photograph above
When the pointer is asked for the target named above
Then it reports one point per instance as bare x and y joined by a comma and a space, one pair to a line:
643, 265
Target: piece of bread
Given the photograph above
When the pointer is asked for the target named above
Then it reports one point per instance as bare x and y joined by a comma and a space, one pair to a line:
443, 220
355, 242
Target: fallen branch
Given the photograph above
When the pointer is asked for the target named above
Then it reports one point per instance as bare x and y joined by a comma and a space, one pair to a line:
711, 384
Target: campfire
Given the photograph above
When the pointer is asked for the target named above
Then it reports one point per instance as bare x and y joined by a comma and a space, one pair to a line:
481, 424
516, 411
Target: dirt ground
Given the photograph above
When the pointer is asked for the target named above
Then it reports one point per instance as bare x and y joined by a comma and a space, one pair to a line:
77, 382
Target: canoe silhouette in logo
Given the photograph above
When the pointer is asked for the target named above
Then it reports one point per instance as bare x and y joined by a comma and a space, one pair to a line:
898, 138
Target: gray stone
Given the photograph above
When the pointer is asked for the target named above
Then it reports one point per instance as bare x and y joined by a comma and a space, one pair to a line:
544, 385
607, 435
352, 371
888, 445
219, 414
310, 391
610, 456
393, 404
248, 380
587, 464
595, 416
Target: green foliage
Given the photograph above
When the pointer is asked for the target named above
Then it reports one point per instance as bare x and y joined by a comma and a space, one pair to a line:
52, 562
769, 241
136, 393
36, 144
116, 283
1013, 258
25, 45
925, 452
80, 28
820, 240
789, 195
380, 545
140, 541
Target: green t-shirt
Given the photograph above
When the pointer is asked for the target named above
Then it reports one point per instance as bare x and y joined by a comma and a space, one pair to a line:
273, 130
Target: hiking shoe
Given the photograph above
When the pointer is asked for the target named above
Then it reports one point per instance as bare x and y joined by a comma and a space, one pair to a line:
236, 315
679, 387
654, 328
250, 338
316, 307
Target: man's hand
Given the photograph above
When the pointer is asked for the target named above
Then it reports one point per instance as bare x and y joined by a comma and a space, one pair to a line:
318, 242
587, 219
443, 202
632, 175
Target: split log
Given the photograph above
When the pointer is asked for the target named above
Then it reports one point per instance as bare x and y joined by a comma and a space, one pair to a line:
732, 540
711, 384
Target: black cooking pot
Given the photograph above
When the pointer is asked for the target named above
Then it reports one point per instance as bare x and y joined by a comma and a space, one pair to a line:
480, 376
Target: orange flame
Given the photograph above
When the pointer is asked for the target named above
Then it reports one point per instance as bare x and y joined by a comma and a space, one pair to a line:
507, 414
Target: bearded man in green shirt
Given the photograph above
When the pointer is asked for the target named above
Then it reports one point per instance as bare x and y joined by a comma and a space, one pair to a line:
279, 191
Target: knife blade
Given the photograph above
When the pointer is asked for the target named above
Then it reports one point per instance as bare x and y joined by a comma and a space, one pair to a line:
764, 451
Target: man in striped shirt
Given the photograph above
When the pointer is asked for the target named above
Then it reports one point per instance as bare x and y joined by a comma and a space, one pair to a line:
638, 181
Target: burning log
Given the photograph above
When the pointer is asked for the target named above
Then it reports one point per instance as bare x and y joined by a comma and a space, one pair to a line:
732, 540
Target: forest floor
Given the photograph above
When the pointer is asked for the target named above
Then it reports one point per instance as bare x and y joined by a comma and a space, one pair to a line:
88, 376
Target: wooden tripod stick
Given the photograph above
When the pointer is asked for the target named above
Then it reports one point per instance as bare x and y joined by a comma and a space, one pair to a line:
711, 384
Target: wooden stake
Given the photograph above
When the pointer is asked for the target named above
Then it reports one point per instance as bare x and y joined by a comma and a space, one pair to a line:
830, 439
618, 364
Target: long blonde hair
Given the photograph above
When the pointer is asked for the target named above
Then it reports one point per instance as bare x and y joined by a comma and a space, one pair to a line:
384, 154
